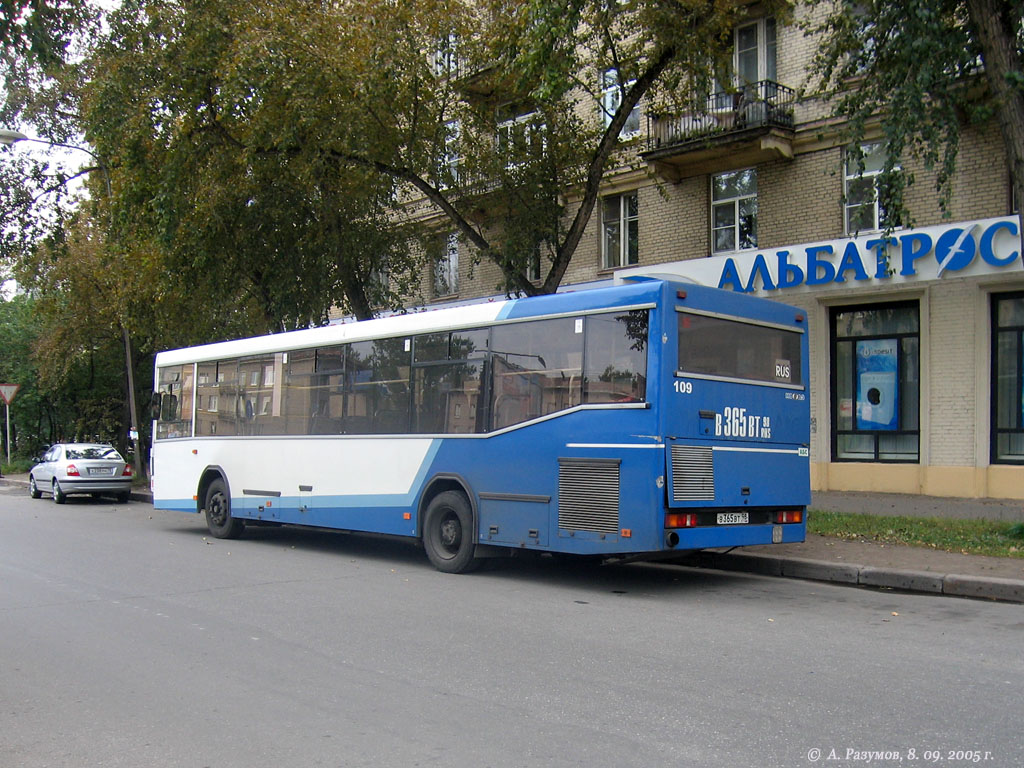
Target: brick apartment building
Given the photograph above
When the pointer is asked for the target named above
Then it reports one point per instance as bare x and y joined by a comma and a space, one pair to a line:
917, 338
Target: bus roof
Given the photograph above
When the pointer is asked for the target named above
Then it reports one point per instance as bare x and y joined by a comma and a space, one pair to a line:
466, 316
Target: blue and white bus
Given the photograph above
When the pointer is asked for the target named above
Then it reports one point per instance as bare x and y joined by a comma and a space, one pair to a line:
633, 421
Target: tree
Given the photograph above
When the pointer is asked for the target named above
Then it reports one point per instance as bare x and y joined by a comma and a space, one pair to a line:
549, 57
40, 31
185, 102
39, 42
918, 69
269, 152
329, 118
29, 409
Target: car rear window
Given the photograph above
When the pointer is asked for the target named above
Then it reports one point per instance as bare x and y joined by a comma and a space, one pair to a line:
94, 452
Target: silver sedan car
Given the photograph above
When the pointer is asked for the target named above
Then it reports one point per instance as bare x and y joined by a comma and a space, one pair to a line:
93, 468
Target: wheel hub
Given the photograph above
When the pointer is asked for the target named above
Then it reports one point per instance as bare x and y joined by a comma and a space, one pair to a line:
217, 511
451, 533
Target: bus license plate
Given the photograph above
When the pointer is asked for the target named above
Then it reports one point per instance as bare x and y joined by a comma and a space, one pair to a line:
733, 518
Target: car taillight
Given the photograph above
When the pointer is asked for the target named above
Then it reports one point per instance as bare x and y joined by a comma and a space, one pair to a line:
680, 520
789, 516
72, 471
127, 471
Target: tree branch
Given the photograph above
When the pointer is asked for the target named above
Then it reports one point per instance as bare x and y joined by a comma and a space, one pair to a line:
595, 171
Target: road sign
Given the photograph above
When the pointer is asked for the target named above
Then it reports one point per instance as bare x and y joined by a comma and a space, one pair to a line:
8, 391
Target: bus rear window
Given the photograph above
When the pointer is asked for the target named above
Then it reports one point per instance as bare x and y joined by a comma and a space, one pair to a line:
719, 348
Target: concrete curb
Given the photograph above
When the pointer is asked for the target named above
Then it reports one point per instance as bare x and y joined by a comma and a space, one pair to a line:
954, 585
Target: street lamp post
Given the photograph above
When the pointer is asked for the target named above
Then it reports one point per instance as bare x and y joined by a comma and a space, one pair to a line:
9, 138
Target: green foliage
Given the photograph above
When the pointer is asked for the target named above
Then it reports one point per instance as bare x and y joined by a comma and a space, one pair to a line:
28, 410
17, 466
978, 537
63, 394
40, 31
219, 120
916, 71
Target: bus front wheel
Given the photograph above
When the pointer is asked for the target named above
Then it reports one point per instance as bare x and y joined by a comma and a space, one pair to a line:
218, 513
448, 533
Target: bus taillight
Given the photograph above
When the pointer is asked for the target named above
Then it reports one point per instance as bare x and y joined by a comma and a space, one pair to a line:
789, 516
680, 520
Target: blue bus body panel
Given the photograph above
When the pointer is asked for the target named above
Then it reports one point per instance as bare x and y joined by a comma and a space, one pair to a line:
757, 434
590, 480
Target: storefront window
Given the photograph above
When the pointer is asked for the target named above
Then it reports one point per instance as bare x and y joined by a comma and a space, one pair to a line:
875, 383
1007, 379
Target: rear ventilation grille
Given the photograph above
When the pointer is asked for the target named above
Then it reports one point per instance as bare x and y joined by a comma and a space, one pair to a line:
693, 474
588, 495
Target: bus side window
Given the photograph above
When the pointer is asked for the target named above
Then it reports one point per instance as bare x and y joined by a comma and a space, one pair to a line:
616, 357
448, 370
175, 387
536, 369
168, 407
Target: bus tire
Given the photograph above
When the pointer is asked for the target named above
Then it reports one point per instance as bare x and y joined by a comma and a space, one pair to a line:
448, 533
218, 513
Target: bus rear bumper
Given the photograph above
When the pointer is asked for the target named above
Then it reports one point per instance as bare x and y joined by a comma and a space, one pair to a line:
734, 536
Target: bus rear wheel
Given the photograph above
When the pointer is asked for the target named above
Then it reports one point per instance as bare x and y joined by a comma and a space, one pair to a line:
448, 533
218, 513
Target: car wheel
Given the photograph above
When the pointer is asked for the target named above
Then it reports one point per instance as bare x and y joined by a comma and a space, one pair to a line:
33, 489
448, 533
218, 513
59, 497
123, 497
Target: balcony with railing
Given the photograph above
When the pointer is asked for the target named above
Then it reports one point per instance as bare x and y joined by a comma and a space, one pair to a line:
749, 125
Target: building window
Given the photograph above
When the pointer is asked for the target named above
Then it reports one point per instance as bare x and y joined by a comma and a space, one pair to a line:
533, 265
863, 168
620, 218
444, 60
876, 383
734, 211
611, 97
446, 270
451, 157
520, 137
1008, 378
754, 52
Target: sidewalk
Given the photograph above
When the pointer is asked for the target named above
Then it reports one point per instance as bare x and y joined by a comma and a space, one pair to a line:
867, 563
864, 563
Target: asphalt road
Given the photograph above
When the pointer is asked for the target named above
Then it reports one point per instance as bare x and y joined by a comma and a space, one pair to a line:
128, 638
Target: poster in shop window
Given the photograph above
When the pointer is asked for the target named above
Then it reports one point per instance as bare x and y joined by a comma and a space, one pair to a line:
877, 384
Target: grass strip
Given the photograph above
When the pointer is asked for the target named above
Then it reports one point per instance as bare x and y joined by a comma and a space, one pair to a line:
973, 537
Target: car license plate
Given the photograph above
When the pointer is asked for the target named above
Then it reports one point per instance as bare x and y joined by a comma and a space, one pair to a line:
100, 471
733, 518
